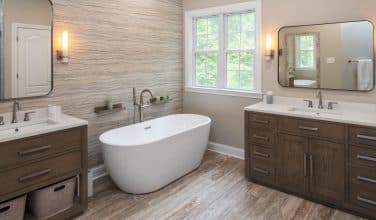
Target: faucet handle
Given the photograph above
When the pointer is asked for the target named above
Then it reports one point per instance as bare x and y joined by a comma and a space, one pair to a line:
330, 105
27, 116
310, 103
2, 120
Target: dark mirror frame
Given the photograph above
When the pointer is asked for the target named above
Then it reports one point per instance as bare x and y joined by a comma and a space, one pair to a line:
52, 52
340, 22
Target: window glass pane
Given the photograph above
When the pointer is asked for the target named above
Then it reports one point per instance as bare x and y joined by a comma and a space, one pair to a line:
305, 55
240, 31
232, 61
202, 26
206, 69
246, 80
241, 63
207, 33
248, 21
233, 24
306, 59
233, 41
213, 25
246, 61
248, 40
306, 42
201, 42
233, 79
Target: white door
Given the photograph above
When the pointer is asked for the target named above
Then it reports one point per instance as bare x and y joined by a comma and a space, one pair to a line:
33, 61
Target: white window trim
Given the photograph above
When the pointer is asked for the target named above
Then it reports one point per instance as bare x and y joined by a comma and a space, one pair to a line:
189, 70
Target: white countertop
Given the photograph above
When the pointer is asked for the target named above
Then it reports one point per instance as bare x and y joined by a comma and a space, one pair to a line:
37, 126
344, 112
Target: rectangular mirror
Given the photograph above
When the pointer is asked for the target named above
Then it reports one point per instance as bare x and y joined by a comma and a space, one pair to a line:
26, 48
337, 56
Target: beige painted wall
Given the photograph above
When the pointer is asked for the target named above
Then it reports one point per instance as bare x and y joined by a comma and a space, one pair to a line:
115, 45
276, 14
36, 12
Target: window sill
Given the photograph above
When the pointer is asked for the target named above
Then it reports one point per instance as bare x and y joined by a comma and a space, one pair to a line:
225, 92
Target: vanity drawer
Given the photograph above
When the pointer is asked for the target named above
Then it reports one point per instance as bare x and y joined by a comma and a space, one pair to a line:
363, 187
362, 136
258, 120
262, 153
262, 170
262, 136
362, 156
38, 172
18, 152
312, 128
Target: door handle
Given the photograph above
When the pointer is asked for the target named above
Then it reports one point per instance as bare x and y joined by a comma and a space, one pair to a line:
308, 128
361, 157
261, 170
261, 154
359, 198
34, 150
261, 137
365, 179
261, 121
366, 137
34, 175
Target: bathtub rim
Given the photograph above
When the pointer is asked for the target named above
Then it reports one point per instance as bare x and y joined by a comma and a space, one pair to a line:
106, 144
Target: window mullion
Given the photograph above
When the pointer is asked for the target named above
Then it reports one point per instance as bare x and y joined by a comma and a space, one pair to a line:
221, 78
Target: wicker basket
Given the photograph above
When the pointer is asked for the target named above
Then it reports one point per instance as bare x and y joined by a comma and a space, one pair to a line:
52, 200
13, 209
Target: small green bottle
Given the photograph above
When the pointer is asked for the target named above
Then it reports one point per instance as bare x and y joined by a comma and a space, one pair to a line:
109, 103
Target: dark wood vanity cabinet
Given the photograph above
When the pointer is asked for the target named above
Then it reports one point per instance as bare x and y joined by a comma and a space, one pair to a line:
36, 162
327, 162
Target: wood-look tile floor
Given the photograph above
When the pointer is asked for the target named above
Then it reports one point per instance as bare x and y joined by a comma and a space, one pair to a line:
218, 189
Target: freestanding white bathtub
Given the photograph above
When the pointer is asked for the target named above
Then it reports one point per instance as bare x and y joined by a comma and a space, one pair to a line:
144, 157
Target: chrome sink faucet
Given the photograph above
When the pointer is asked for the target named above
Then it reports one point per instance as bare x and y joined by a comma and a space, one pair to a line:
16, 108
319, 96
140, 106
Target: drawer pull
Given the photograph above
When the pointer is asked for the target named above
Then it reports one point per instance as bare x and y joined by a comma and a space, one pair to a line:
261, 154
308, 128
361, 157
4, 209
261, 171
366, 200
365, 179
34, 150
261, 137
261, 121
366, 137
34, 175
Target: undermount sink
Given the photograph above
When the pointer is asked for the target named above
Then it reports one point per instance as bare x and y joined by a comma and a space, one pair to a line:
317, 112
24, 128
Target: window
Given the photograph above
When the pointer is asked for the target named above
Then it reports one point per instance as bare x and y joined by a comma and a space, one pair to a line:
305, 52
222, 50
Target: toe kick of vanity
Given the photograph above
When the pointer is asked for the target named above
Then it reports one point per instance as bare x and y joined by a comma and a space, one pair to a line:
328, 162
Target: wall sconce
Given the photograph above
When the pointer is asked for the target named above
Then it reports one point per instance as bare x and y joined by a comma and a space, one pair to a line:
269, 51
63, 53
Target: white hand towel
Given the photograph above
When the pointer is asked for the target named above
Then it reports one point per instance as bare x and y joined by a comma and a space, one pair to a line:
365, 74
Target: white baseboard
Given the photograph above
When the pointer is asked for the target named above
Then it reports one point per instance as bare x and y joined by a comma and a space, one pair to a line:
94, 174
227, 150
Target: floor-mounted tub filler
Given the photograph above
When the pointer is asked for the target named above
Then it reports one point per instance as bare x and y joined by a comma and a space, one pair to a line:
144, 157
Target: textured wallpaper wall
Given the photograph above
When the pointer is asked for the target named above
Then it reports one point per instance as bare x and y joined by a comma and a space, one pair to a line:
115, 45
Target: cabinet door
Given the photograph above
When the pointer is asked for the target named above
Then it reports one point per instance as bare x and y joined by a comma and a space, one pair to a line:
292, 163
327, 170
